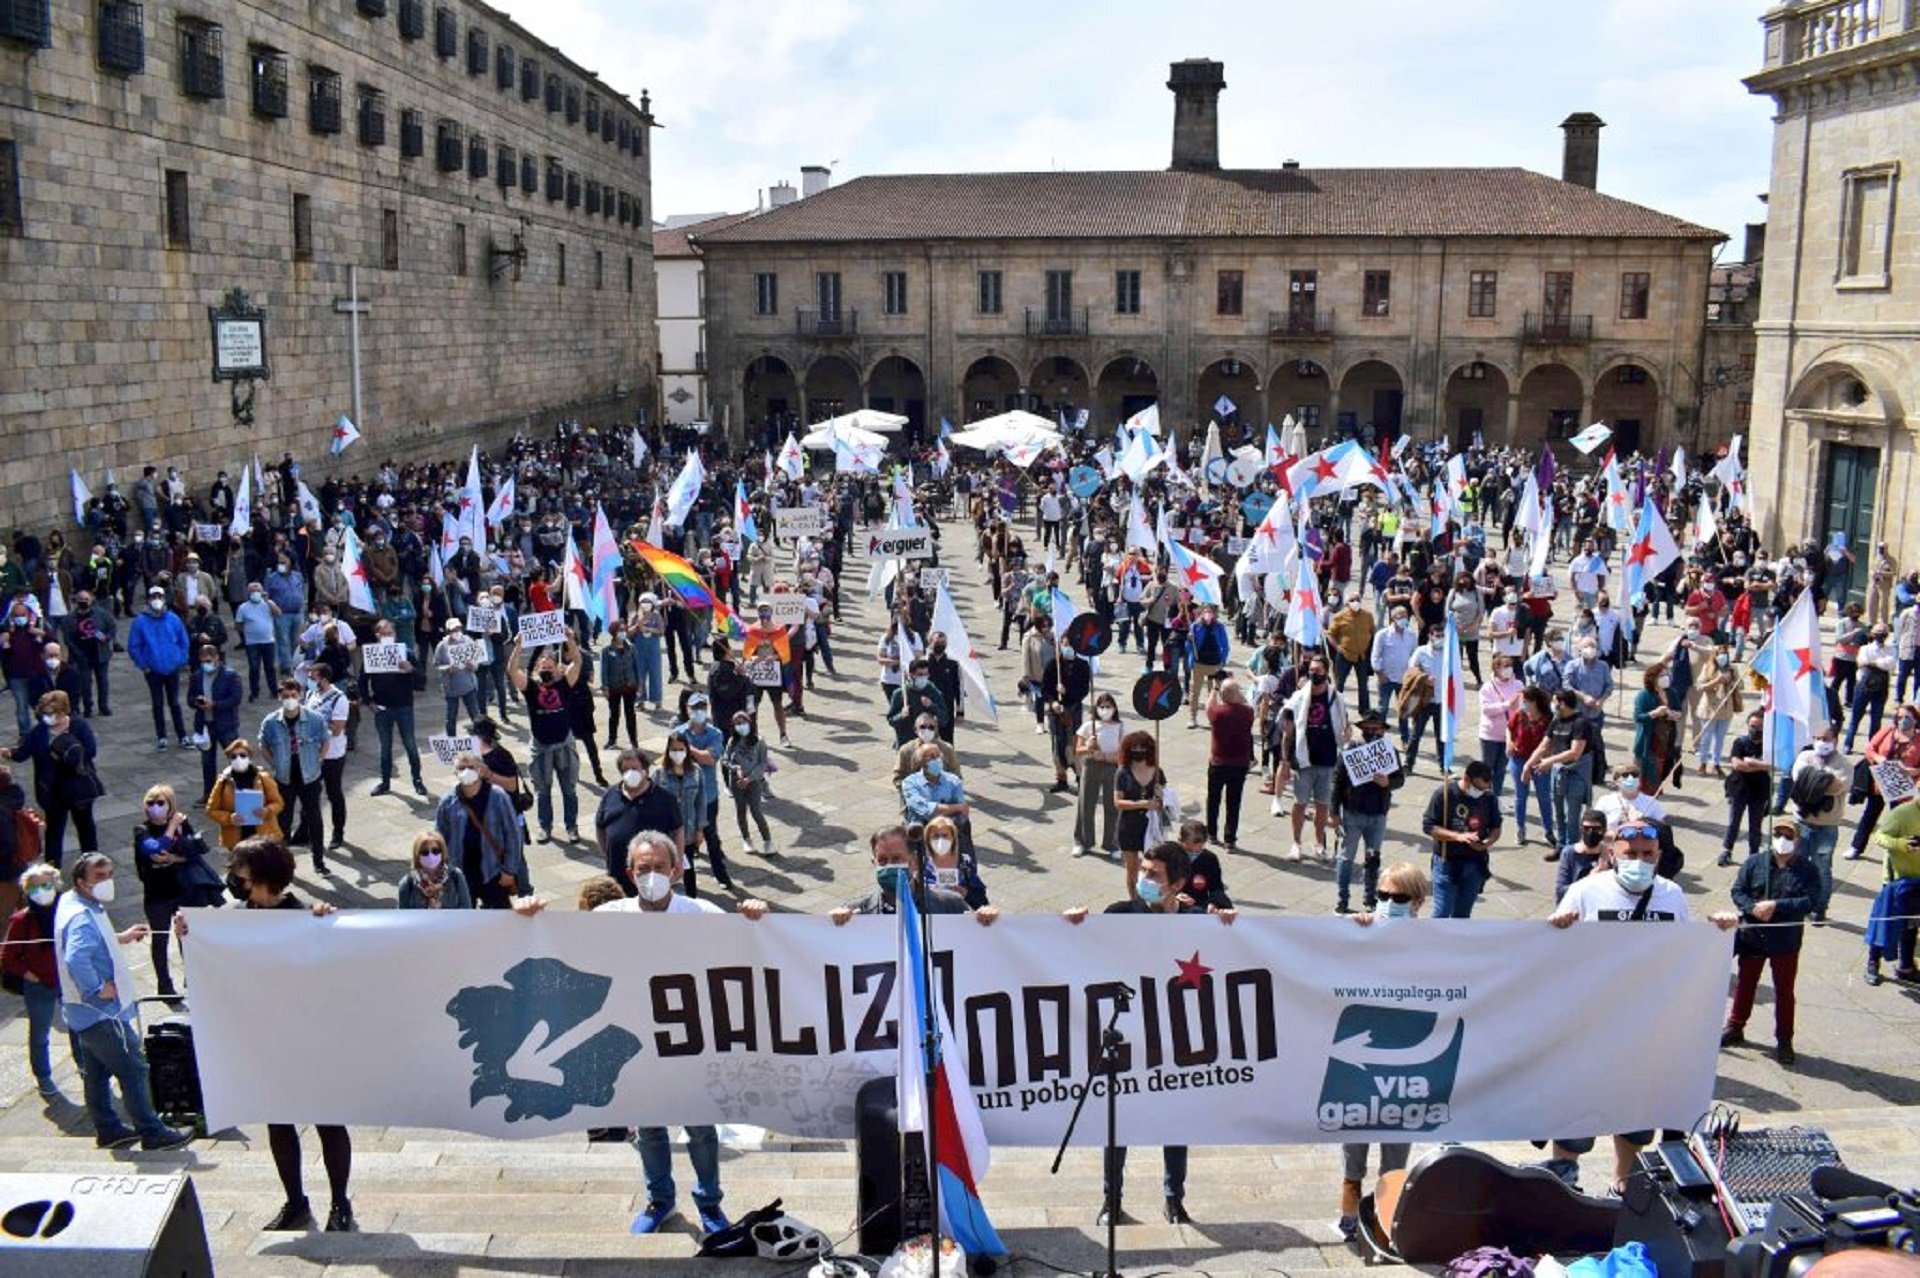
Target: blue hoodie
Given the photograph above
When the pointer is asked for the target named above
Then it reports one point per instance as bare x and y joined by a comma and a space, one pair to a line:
157, 642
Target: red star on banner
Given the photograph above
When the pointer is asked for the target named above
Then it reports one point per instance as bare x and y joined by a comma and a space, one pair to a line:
1642, 551
1381, 473
1303, 598
1324, 469
359, 571
1192, 573
1805, 657
339, 432
1192, 971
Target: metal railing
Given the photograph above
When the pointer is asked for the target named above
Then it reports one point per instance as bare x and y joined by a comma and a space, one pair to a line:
1305, 326
123, 40
1556, 329
1073, 322
826, 323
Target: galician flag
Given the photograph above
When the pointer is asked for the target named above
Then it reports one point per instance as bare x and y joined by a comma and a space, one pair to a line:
743, 512
502, 508
1303, 608
344, 433
359, 586
81, 495
639, 447
946, 620
686, 488
473, 520
309, 505
1592, 437
574, 574
243, 505
1450, 687
1200, 576
792, 460
1619, 512
601, 603
1652, 550
1796, 698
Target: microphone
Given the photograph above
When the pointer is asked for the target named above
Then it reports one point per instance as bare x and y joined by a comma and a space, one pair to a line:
1837, 1182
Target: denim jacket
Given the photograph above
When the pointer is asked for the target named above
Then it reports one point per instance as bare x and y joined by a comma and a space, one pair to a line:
308, 734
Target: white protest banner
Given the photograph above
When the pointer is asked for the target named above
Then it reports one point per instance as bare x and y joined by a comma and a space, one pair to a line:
763, 672
483, 620
1273, 1031
931, 579
1893, 780
382, 658
1369, 759
790, 522
447, 749
900, 543
467, 652
209, 534
788, 609
542, 629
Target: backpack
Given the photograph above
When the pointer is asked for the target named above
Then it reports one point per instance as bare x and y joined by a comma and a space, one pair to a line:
1809, 792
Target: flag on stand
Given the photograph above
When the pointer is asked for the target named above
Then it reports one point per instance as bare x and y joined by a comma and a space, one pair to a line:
946, 620
501, 510
602, 603
1542, 540
359, 585
1679, 467
936, 1103
946, 427
344, 433
1199, 575
1705, 526
1450, 687
449, 535
81, 495
1276, 452
56, 597
1592, 437
743, 512
942, 459
1544, 469
1140, 456
679, 576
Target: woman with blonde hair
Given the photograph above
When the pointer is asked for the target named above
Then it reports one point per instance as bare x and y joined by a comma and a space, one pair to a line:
166, 849
432, 882
28, 967
948, 863
240, 818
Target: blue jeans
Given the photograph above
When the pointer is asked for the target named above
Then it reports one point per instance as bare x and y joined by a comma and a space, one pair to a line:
1457, 881
286, 628
1818, 843
110, 1052
656, 1160
42, 1003
471, 700
1173, 1181
385, 722
22, 705
649, 662
1866, 705
1542, 790
1494, 755
1571, 791
260, 669
551, 762
1357, 828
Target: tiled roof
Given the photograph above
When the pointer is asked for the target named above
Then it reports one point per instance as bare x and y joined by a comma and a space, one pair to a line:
674, 243
1248, 202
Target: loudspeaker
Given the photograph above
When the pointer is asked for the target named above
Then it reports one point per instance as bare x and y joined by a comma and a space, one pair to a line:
892, 1174
102, 1226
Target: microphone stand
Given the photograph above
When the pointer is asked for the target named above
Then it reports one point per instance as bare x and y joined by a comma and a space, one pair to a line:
1112, 1042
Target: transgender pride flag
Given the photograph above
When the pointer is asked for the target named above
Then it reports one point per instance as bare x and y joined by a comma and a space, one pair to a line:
958, 1140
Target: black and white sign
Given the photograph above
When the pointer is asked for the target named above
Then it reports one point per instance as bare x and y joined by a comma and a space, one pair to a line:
1370, 759
763, 672
932, 579
790, 522
447, 749
1895, 784
788, 610
542, 629
900, 543
467, 652
383, 658
483, 620
209, 534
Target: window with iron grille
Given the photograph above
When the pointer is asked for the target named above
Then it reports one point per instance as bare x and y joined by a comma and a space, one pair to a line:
372, 8
562, 266
179, 210
553, 93
506, 171
446, 32
625, 211
573, 105
1483, 294
529, 175
122, 38
1636, 291
202, 74
389, 239
573, 189
593, 113
28, 22
268, 70
529, 80
413, 19
303, 228
599, 270
1126, 292
413, 136
1229, 293
323, 100
504, 71
606, 203
478, 52
459, 248
446, 147
593, 197
373, 116
556, 181
476, 157
1376, 294
13, 216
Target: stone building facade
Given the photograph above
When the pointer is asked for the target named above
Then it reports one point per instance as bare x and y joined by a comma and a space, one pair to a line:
1440, 301
1838, 339
493, 195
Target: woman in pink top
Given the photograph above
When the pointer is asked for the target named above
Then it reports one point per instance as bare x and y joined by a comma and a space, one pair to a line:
1499, 697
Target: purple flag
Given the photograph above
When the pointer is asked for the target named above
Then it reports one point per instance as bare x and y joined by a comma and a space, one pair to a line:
1543, 473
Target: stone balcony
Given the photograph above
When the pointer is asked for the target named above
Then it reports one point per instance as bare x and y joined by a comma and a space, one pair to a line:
1812, 30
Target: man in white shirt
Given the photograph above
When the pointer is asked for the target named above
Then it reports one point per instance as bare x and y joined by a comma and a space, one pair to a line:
1052, 530
1629, 799
330, 703
1503, 627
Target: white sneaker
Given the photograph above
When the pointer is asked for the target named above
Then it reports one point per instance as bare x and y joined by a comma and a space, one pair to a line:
1294, 855
1039, 729
770, 852
1079, 850
1320, 853
1274, 808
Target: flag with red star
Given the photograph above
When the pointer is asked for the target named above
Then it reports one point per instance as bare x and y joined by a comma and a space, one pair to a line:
1196, 574
979, 700
359, 585
344, 433
1793, 665
1450, 687
1303, 607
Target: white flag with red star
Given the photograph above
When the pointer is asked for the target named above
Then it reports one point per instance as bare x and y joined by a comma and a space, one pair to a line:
359, 585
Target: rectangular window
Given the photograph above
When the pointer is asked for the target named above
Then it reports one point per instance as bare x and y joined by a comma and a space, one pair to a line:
573, 105
179, 211
1228, 294
459, 248
29, 22
593, 197
629, 272
413, 136
303, 228
573, 189
446, 32
1126, 292
323, 101
766, 293
506, 170
1483, 294
269, 75
553, 94
826, 289
1636, 289
1376, 294
122, 38
1059, 297
202, 74
563, 265
893, 288
13, 218
990, 298
599, 270
1556, 300
529, 80
372, 8
593, 113
373, 116
1866, 225
529, 175
504, 71
556, 181
477, 51
413, 19
389, 239
476, 157
447, 154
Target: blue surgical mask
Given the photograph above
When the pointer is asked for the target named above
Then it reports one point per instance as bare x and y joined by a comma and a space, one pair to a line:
1149, 890
208, 667
1634, 876
699, 718
935, 767
1397, 910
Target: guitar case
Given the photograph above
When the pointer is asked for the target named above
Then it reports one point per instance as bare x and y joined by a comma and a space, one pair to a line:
1456, 1199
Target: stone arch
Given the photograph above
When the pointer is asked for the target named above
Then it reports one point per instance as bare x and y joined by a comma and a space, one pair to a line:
1475, 398
770, 393
1238, 376
1300, 387
1552, 395
1057, 385
1626, 396
832, 386
896, 384
1372, 394
989, 386
1868, 365
1127, 382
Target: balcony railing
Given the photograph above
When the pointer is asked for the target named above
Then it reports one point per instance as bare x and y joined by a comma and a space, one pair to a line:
1306, 326
1068, 323
826, 323
1554, 330
1817, 30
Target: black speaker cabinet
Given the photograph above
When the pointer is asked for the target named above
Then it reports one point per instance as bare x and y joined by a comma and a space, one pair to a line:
102, 1226
892, 1173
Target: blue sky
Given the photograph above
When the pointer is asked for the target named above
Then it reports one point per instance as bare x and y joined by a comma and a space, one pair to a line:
748, 92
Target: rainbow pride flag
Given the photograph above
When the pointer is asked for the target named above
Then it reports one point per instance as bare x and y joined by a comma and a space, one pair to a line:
693, 591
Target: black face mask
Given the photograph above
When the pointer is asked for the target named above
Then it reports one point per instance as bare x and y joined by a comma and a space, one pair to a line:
236, 889
1591, 837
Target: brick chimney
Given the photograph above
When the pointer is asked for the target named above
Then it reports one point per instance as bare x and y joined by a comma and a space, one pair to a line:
1196, 85
1580, 161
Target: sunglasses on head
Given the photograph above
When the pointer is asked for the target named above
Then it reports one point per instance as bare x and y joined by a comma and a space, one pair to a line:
1639, 832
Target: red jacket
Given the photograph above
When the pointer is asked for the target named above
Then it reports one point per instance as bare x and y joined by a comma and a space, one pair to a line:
18, 959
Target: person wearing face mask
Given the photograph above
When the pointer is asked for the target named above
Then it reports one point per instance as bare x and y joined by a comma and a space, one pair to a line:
917, 697
214, 691
157, 645
433, 882
1626, 887
635, 805
1717, 701
945, 864
943, 674
255, 616
681, 777
330, 582
89, 631
1590, 679
23, 657
246, 799
1096, 749
1350, 640
1817, 794
1898, 743
1363, 822
1629, 798
894, 869
932, 792
1404, 889
101, 1009
744, 764
292, 738
551, 725
170, 858
478, 826
1876, 664
1463, 820
706, 741
763, 639
1390, 656
620, 684
65, 783
1773, 891
1748, 784
1230, 724
1582, 855
1313, 729
1210, 647
60, 676
28, 967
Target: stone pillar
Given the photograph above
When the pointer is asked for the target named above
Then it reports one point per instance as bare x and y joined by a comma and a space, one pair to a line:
1513, 416
1580, 155
1196, 85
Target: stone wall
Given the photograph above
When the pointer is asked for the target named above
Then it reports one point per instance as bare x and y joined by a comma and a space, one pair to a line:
105, 352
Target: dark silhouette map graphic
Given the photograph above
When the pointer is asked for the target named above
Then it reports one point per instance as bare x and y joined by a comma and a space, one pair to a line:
516, 1030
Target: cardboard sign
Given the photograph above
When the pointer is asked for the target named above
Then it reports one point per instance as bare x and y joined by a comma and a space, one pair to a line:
447, 749
1370, 759
383, 658
931, 579
790, 522
763, 672
209, 534
1236, 545
1893, 780
483, 620
788, 610
467, 652
542, 629
900, 543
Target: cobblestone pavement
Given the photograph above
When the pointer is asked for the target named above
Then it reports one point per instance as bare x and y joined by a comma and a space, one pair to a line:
435, 1203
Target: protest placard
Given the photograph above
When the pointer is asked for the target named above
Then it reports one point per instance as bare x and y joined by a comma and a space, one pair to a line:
900, 543
382, 658
447, 749
483, 620
1370, 759
542, 629
932, 579
799, 521
209, 534
763, 672
788, 610
467, 652
1895, 784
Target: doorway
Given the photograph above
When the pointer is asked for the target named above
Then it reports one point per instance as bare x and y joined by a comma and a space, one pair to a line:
1850, 481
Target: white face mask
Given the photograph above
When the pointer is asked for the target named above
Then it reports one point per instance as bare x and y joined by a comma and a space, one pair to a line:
677, 756
942, 846
1824, 749
632, 778
242, 763
43, 895
1663, 683
53, 663
653, 886
103, 891
467, 776
290, 704
1108, 714
927, 734
1784, 846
